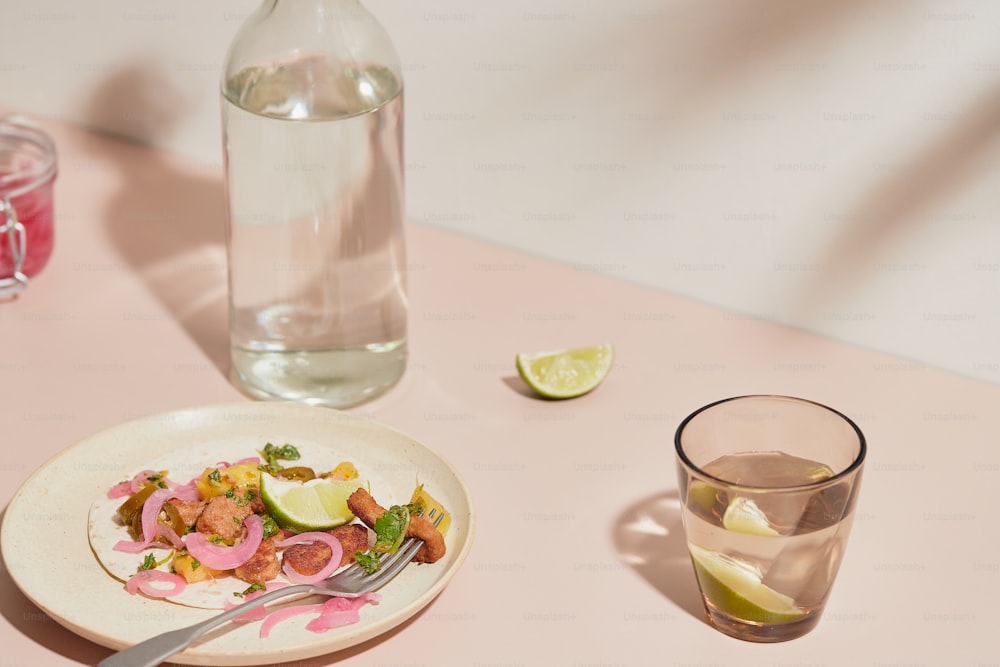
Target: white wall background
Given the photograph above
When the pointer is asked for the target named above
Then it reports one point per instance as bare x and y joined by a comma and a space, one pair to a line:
830, 165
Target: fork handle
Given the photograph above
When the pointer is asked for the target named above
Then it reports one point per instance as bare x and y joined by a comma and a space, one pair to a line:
155, 650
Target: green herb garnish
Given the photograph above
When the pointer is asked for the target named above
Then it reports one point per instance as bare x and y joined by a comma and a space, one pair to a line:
270, 527
157, 480
273, 454
368, 561
150, 562
390, 530
252, 589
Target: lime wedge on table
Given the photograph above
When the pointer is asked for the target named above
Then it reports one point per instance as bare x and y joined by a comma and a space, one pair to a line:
743, 516
319, 504
566, 373
735, 588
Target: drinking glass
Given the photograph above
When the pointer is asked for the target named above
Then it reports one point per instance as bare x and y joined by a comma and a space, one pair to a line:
769, 485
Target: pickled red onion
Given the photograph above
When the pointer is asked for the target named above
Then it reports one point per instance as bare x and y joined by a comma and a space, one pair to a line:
337, 612
333, 613
222, 465
219, 557
336, 553
186, 492
133, 485
144, 580
151, 512
128, 546
121, 490
254, 614
280, 615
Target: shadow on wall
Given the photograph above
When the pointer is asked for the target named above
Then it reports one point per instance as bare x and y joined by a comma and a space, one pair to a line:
696, 54
167, 219
683, 58
895, 206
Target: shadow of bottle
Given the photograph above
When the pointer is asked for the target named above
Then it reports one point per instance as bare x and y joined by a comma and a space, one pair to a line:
167, 217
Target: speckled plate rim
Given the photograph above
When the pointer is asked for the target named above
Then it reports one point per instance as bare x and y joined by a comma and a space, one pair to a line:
56, 569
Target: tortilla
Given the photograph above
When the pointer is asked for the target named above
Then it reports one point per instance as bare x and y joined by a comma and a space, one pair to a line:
105, 528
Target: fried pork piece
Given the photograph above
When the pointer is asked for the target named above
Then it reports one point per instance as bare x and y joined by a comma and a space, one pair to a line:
263, 565
249, 495
187, 510
224, 517
365, 508
308, 559
353, 538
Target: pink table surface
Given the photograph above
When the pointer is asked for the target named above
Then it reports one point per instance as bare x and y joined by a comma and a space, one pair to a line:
579, 559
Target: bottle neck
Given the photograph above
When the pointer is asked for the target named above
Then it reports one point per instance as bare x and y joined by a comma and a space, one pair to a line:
329, 30
322, 9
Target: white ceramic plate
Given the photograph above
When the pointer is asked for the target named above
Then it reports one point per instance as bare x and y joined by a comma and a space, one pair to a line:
47, 551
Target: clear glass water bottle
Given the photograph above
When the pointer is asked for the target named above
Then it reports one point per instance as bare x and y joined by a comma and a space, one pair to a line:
312, 113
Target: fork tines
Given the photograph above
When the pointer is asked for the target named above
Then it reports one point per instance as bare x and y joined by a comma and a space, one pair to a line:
403, 554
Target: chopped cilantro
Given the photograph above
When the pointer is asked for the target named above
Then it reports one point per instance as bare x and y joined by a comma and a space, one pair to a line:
368, 561
148, 563
273, 454
252, 589
214, 476
270, 527
242, 500
390, 529
156, 480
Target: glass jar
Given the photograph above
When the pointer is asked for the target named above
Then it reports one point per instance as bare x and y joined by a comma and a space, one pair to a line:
27, 174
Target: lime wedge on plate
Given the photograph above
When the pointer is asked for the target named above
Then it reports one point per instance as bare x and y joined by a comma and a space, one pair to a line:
743, 516
734, 588
319, 504
566, 373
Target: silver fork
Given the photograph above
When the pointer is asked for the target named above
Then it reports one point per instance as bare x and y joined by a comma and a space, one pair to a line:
350, 583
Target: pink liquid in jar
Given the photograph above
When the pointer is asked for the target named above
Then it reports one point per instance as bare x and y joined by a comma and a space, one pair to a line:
27, 172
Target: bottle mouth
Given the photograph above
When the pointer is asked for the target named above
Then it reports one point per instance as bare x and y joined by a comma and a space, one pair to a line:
27, 156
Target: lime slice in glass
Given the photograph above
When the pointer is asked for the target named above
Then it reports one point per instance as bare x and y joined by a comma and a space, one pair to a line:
702, 496
319, 504
734, 588
743, 516
566, 373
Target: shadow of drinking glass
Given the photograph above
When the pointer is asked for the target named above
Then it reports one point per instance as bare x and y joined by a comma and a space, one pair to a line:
649, 538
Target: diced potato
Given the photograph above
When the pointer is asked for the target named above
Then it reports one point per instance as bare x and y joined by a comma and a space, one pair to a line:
185, 565
428, 502
216, 482
344, 470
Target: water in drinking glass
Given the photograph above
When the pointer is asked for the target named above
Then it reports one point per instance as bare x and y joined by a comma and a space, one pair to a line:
766, 545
